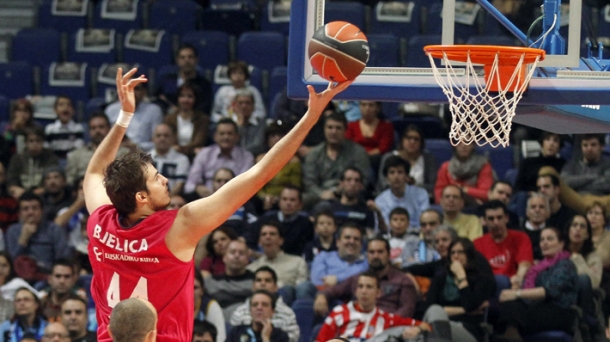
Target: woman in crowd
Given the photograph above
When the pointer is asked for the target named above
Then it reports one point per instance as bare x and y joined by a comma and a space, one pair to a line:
549, 290
27, 319
461, 292
239, 75
216, 246
22, 117
9, 282
191, 125
423, 164
371, 132
597, 217
290, 174
468, 170
584, 257
207, 309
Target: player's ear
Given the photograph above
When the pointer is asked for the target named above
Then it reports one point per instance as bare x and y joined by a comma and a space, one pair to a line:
141, 196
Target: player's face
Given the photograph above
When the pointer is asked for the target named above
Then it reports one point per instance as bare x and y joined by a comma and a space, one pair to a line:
428, 221
5, 268
98, 130
158, 192
367, 292
64, 109
351, 184
25, 304
30, 212
325, 226
290, 202
220, 241
537, 212
61, 279
591, 150
451, 199
334, 132
442, 240
270, 239
260, 307
549, 243
578, 229
501, 192
411, 142
264, 281
74, 316
399, 224
496, 221
349, 243
377, 255
186, 99
397, 178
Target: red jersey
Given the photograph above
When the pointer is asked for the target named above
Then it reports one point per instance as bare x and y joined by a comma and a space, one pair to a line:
350, 322
135, 262
504, 257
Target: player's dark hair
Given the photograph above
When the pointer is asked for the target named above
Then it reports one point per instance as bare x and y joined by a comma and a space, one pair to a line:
200, 328
266, 293
399, 211
268, 270
124, 178
209, 244
395, 161
238, 65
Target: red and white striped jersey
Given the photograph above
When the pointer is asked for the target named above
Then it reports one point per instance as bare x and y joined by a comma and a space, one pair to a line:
349, 321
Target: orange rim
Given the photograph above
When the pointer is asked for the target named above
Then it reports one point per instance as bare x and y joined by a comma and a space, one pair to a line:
485, 54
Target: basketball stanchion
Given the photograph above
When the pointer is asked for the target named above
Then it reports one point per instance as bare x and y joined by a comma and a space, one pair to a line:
482, 109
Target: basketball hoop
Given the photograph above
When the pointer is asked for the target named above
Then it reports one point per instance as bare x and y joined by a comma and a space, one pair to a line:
483, 115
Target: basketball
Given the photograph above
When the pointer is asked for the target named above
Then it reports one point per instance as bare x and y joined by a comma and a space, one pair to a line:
338, 51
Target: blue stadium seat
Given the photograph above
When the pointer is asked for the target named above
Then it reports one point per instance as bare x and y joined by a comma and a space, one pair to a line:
78, 91
384, 50
440, 148
350, 11
415, 50
16, 80
121, 26
390, 111
277, 82
501, 158
66, 23
511, 176
303, 309
212, 46
264, 50
93, 57
4, 109
404, 26
270, 23
233, 22
174, 16
46, 40
155, 57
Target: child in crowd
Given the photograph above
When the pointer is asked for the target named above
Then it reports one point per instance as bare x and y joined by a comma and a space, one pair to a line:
399, 232
325, 228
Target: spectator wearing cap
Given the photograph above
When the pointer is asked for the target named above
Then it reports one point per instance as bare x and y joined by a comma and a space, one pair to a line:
57, 194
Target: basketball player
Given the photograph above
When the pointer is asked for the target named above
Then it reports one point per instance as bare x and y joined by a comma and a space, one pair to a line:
138, 249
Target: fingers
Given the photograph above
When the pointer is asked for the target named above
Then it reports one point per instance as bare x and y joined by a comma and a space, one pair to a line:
132, 83
129, 74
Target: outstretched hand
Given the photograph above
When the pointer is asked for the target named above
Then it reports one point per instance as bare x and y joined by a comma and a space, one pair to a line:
124, 88
319, 101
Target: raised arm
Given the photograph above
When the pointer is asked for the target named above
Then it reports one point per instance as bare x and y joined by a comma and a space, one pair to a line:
200, 217
93, 186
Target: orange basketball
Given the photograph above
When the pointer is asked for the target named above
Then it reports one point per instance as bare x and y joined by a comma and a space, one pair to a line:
338, 51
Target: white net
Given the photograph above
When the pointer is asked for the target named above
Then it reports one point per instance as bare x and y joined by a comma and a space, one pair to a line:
480, 115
